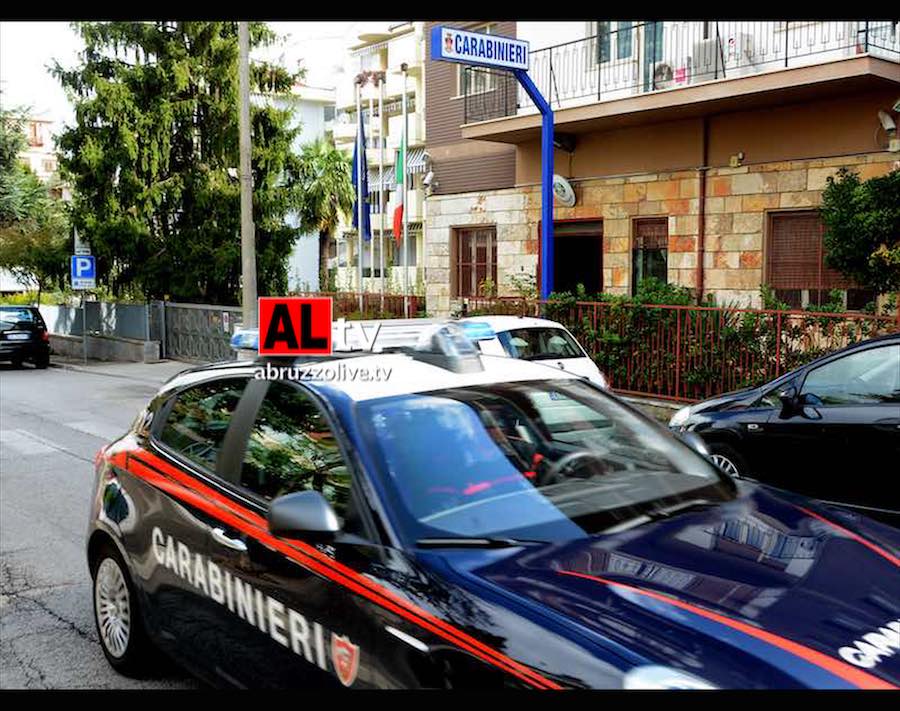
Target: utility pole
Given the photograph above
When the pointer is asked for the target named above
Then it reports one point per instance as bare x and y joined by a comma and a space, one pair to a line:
248, 236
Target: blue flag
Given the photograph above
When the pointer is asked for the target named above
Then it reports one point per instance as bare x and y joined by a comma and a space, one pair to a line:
359, 153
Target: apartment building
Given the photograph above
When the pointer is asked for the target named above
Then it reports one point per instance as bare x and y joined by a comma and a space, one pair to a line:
312, 111
697, 152
384, 47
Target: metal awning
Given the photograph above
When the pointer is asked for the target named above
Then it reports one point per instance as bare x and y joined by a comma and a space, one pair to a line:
390, 179
415, 163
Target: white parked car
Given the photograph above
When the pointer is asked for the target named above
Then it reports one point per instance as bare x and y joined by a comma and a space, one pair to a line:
534, 339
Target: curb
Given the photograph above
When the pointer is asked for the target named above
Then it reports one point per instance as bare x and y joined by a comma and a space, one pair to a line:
91, 371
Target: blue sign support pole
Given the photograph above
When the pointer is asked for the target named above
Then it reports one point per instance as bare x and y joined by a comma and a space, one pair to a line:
546, 180
450, 44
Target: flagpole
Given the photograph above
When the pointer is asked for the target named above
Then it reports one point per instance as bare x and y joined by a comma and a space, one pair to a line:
359, 199
403, 67
381, 183
369, 204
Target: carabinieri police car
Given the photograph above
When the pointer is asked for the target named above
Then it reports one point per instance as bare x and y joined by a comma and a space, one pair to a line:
436, 517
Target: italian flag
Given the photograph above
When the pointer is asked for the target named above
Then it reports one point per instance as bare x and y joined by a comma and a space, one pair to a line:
400, 170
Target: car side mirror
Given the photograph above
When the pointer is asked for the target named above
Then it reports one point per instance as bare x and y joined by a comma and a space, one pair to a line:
788, 398
695, 442
303, 514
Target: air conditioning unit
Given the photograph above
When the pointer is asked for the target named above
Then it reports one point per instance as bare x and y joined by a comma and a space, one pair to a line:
663, 75
706, 61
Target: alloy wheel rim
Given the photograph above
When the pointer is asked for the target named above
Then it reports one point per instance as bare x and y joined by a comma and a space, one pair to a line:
726, 465
113, 607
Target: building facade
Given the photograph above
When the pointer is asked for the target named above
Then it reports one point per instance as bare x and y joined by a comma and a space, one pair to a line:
384, 47
697, 152
312, 111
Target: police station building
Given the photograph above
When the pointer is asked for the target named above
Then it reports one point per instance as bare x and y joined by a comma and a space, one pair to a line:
696, 152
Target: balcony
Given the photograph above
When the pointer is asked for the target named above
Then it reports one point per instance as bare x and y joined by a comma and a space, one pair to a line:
405, 49
611, 74
395, 130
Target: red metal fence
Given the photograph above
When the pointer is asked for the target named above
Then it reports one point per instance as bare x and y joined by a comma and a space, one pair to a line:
346, 304
694, 352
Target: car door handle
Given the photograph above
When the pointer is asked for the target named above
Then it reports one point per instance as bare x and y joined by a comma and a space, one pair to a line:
753, 427
236, 544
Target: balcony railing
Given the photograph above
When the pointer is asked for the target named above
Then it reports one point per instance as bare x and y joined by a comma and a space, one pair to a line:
628, 59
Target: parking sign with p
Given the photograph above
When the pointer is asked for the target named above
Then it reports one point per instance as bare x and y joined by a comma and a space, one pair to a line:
83, 271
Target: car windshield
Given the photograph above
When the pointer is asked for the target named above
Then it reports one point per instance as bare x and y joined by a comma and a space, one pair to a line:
10, 317
539, 460
539, 343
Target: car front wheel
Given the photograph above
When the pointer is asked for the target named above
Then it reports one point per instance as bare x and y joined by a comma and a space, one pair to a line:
729, 460
119, 625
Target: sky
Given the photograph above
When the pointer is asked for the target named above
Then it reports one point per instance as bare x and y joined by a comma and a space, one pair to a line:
28, 48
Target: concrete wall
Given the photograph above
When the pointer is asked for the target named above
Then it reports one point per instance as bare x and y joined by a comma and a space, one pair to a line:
122, 320
106, 348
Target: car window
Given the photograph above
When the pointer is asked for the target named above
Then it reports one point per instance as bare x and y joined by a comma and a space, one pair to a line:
9, 317
199, 418
865, 377
292, 448
547, 460
539, 343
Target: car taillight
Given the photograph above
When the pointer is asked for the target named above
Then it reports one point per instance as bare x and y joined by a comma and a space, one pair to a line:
45, 336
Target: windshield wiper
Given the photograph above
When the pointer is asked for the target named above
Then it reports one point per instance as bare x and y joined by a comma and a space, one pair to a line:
685, 506
661, 512
459, 542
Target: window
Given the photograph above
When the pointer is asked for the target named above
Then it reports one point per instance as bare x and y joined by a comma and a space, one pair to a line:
35, 135
868, 377
539, 344
370, 252
795, 263
603, 41
649, 251
291, 448
396, 250
623, 39
479, 80
621, 36
199, 418
475, 260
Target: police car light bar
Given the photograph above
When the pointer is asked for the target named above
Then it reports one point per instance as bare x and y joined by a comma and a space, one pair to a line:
446, 345
477, 330
245, 339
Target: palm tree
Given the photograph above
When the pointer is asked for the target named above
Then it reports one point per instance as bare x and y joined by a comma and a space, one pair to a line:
327, 192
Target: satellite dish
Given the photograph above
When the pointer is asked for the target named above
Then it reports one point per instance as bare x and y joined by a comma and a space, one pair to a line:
563, 191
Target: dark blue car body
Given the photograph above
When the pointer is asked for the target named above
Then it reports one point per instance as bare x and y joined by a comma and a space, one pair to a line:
766, 590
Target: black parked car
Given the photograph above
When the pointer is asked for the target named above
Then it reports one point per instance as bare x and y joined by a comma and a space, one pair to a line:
829, 430
24, 336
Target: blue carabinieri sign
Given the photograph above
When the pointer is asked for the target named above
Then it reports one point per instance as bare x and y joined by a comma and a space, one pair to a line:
454, 45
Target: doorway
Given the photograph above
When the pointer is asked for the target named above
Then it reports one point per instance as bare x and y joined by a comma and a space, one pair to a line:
578, 255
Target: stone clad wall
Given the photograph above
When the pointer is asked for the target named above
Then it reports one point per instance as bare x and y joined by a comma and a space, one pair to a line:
737, 203
516, 239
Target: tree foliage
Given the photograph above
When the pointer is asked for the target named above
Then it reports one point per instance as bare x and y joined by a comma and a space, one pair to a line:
153, 159
862, 228
327, 193
33, 224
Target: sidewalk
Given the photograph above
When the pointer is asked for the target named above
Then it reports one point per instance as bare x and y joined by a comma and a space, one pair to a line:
151, 373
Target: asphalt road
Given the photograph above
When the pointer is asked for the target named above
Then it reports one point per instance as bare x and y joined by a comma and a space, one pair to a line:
52, 422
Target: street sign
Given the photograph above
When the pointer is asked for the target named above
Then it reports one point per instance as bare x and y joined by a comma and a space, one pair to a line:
509, 54
83, 271
81, 248
450, 44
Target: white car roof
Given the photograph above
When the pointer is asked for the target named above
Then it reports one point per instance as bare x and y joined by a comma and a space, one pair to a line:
508, 323
409, 375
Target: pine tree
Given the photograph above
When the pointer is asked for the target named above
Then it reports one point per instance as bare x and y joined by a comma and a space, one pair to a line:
153, 159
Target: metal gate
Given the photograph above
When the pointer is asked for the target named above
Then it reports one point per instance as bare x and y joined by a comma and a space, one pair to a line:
197, 331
